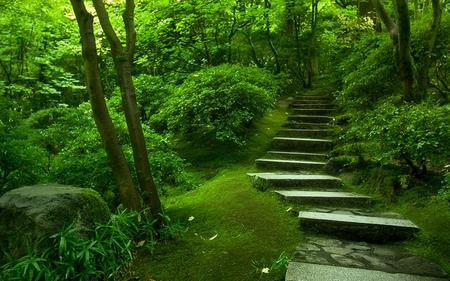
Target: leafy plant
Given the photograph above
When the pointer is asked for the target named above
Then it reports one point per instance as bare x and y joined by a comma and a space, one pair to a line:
414, 133
222, 100
375, 64
276, 269
99, 254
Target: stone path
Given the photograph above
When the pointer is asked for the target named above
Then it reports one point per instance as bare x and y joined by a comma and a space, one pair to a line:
294, 169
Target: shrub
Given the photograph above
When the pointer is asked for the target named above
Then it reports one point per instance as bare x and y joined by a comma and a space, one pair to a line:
415, 133
223, 100
22, 162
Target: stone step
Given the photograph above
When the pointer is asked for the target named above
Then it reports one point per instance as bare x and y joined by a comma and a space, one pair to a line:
311, 119
320, 258
312, 126
302, 144
311, 101
298, 155
317, 272
323, 197
281, 165
312, 105
301, 133
362, 227
312, 111
296, 180
321, 97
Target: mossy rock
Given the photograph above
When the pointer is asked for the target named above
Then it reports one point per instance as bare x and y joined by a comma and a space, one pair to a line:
32, 212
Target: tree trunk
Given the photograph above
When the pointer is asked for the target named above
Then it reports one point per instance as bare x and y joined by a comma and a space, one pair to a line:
400, 37
122, 61
309, 57
269, 37
256, 60
422, 77
121, 172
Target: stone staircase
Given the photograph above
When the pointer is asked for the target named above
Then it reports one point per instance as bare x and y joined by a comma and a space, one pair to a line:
294, 170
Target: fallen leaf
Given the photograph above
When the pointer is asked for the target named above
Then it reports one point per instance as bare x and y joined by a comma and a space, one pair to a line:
140, 244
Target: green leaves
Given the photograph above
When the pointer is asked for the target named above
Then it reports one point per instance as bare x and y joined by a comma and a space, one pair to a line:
415, 133
222, 100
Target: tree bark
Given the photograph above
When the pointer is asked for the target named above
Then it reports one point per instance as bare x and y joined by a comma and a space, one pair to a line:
121, 172
400, 37
122, 61
422, 77
309, 57
267, 6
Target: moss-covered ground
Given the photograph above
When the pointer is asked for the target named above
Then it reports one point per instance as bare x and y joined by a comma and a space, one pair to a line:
235, 230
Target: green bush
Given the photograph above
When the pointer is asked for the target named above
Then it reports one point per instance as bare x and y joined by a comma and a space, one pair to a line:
22, 162
415, 133
151, 93
222, 100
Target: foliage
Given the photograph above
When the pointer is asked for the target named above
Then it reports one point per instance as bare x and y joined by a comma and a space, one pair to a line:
82, 161
373, 60
36, 55
444, 192
351, 27
151, 93
66, 255
222, 100
415, 133
22, 162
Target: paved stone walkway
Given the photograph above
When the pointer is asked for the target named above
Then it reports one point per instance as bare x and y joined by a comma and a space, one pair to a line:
348, 240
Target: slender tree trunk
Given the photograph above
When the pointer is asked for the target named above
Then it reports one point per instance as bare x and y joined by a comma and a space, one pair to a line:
297, 47
269, 37
309, 57
422, 77
122, 61
121, 172
254, 56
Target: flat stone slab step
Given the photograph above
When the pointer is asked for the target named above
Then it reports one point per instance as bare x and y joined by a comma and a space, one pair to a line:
298, 155
318, 97
302, 144
296, 180
311, 101
277, 164
302, 133
317, 272
319, 259
367, 228
303, 125
324, 197
312, 111
311, 118
312, 105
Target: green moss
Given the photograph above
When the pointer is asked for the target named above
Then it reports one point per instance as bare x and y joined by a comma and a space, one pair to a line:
97, 201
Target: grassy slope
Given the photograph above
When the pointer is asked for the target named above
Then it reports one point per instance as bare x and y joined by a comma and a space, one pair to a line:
251, 226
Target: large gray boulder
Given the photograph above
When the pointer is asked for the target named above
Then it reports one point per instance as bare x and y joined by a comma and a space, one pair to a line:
32, 212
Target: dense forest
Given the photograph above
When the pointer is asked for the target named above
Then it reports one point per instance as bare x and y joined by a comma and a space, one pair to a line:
145, 85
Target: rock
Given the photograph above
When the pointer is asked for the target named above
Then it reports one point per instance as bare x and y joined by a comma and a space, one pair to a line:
33, 212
